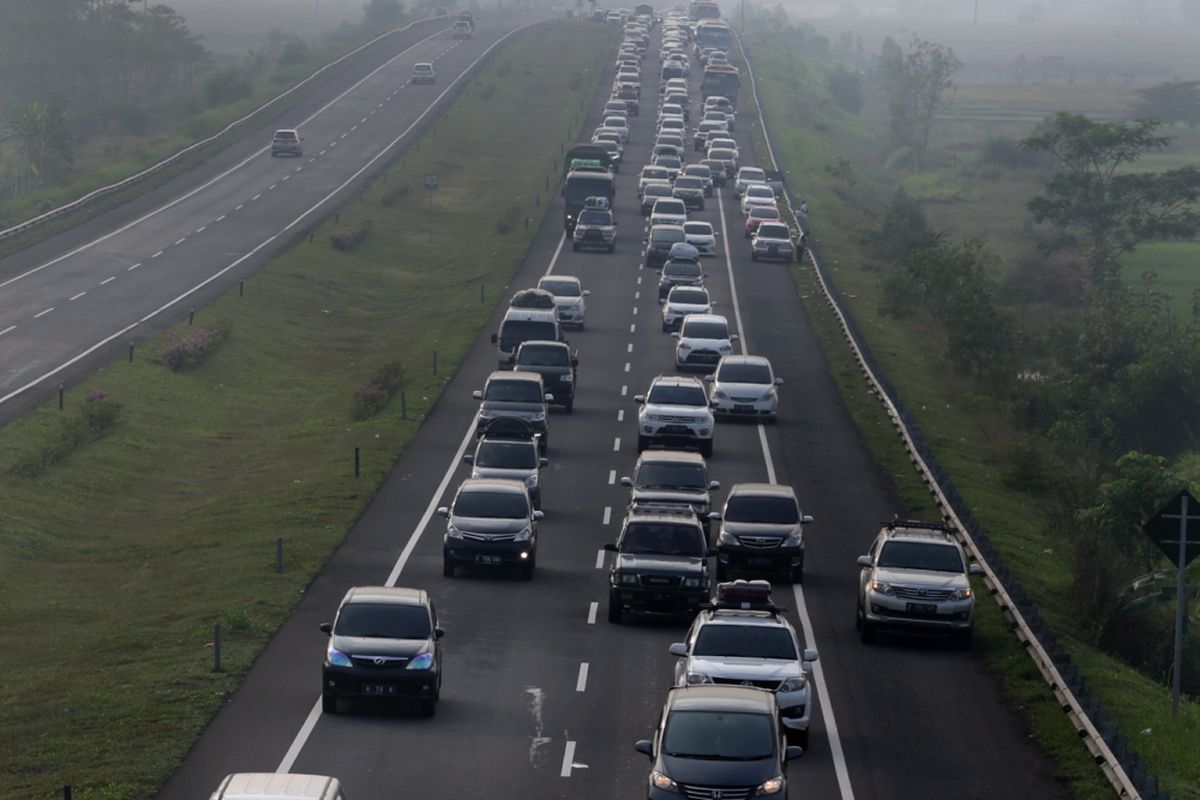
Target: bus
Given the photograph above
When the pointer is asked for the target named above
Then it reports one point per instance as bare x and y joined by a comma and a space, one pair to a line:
714, 33
579, 186
703, 9
720, 80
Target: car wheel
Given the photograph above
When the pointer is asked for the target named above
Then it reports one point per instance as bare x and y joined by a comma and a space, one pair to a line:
569, 406
447, 568
329, 702
866, 630
666, 328
753, 257
798, 738
429, 707
798, 573
643, 443
963, 639
614, 610
706, 448
527, 569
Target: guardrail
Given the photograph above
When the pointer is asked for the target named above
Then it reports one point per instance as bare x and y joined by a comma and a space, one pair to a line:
178, 156
1109, 748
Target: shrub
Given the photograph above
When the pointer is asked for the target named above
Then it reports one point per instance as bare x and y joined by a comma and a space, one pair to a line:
294, 52
226, 86
846, 87
373, 396
394, 195
345, 239
99, 413
183, 353
1009, 154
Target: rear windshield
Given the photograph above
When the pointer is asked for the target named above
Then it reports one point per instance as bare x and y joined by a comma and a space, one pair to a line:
560, 288
765, 212
687, 182
665, 235
595, 218
663, 539
383, 621
502, 391
763, 510
683, 269
515, 331
491, 505
744, 641
544, 356
705, 330
774, 232
670, 207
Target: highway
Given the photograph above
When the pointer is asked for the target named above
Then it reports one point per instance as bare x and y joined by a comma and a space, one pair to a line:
72, 301
542, 696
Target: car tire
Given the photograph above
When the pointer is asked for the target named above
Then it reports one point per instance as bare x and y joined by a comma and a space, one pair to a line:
614, 610
329, 702
798, 573
642, 443
527, 569
963, 639
428, 707
798, 738
753, 256
447, 568
569, 406
706, 448
866, 630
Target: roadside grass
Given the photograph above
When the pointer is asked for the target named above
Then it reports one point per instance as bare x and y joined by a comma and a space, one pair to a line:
118, 561
969, 432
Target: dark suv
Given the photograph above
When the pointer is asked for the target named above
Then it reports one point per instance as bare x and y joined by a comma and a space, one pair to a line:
762, 531
718, 742
660, 241
661, 562
557, 365
383, 643
679, 273
513, 394
672, 478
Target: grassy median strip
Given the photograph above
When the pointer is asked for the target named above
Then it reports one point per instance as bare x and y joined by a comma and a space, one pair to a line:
121, 553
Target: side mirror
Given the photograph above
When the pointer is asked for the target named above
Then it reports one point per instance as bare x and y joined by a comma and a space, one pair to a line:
609, 547
678, 649
674, 334
806, 519
662, 301
549, 397
864, 561
494, 338
644, 746
810, 654
627, 481
715, 516
469, 458
975, 569
543, 462
575, 361
477, 394
710, 378
539, 515
714, 486
779, 381
734, 337
793, 752
713, 404
443, 511
438, 633
639, 399
587, 292
327, 628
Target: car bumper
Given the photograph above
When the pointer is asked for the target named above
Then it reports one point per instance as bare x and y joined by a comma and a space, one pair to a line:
762, 559
666, 601
777, 253
895, 612
395, 683
537, 426
591, 242
570, 316
766, 407
795, 709
706, 249
490, 554
696, 359
692, 200
286, 151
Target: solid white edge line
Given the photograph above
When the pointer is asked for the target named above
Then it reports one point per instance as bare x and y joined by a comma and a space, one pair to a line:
824, 703
581, 681
568, 759
310, 722
593, 608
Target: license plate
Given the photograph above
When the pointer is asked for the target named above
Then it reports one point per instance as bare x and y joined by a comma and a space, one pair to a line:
743, 408
921, 608
379, 688
487, 559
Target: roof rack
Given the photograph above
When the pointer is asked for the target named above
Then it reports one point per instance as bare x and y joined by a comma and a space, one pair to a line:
743, 595
662, 508
896, 522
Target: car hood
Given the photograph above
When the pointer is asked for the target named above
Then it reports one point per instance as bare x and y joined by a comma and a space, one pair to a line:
758, 529
704, 772
489, 524
919, 577
373, 646
748, 669
501, 472
743, 389
672, 565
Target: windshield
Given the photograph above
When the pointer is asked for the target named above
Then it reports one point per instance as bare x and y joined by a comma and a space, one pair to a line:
383, 621
699, 228
659, 475
666, 394
689, 297
774, 232
651, 539
705, 330
744, 641
665, 236
745, 373
595, 218
689, 183
560, 288
655, 173
718, 735
764, 510
515, 331
491, 505
506, 455
920, 555
544, 356
513, 392
681, 269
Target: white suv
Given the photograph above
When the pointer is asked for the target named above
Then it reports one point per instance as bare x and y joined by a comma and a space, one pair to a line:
675, 412
916, 577
743, 639
703, 340
682, 301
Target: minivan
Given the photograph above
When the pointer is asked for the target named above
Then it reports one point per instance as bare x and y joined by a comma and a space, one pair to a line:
257, 785
522, 325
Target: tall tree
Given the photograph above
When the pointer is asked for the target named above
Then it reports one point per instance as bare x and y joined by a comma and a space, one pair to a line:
917, 83
1109, 211
1173, 101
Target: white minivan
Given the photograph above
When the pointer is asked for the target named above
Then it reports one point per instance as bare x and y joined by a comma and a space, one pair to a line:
276, 786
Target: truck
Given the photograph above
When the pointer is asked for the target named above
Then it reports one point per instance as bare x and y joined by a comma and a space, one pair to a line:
582, 154
714, 33
580, 185
721, 80
703, 9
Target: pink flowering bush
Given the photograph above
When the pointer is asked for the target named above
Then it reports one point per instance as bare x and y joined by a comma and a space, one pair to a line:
188, 352
373, 396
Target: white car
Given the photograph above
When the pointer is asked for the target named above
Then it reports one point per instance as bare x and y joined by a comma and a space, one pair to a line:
747, 176
569, 297
772, 240
668, 211
670, 110
681, 302
757, 194
716, 115
744, 386
675, 413
620, 124
703, 173
722, 143
671, 163
744, 639
703, 340
649, 174
701, 236
423, 73
674, 125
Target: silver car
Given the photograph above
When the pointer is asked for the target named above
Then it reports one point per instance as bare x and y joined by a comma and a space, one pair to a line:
287, 142
512, 459
569, 297
744, 386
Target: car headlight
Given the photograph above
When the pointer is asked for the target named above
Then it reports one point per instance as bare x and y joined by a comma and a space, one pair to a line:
694, 678
719, 394
793, 684
627, 579
453, 532
684, 346
662, 782
525, 534
772, 786
531, 480
961, 594
538, 416
336, 657
423, 661
726, 347
881, 587
771, 394
567, 378
691, 583
793, 539
725, 537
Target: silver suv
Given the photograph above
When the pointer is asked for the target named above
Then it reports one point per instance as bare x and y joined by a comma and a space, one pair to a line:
703, 340
916, 577
595, 229
743, 639
287, 142
675, 412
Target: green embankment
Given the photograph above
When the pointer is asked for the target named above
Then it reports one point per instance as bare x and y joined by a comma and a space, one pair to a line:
968, 431
117, 561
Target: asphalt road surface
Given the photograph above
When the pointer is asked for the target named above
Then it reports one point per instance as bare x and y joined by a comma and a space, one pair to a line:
542, 696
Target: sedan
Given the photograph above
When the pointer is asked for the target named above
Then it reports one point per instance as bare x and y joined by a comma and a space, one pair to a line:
757, 194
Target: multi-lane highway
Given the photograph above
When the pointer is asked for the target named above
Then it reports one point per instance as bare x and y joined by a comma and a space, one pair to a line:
71, 301
542, 696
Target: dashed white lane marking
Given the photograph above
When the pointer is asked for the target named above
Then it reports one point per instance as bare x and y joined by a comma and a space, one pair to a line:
607, 515
256, 197
179, 241
202, 229
593, 607
617, 444
624, 391
132, 267
332, 145
629, 347
361, 121
272, 187
220, 218
581, 681
620, 415
639, 283
353, 128
637, 295
43, 313
323, 152
109, 279
627, 366
285, 178
612, 477
635, 311
343, 136
299, 168
568, 759
156, 255
239, 208
75, 297
599, 559
633, 327
14, 327
380, 105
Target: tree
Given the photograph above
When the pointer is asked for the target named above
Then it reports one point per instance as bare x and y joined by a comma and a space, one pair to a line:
917, 83
41, 134
846, 88
1171, 102
1096, 204
382, 13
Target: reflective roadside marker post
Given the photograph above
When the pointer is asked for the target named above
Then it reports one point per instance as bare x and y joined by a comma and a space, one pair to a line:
431, 183
1169, 530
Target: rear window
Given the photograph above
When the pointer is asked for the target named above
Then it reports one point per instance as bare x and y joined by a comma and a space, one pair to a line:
670, 207
687, 182
765, 212
595, 218
667, 235
510, 391
682, 269
688, 296
760, 191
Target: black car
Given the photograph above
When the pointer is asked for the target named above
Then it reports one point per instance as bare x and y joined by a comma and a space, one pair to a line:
661, 562
557, 365
672, 477
679, 273
383, 643
660, 241
491, 523
717, 741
